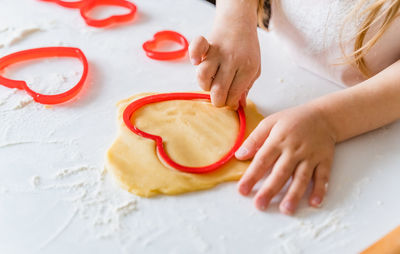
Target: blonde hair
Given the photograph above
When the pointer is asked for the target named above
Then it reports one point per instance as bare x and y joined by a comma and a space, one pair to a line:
384, 11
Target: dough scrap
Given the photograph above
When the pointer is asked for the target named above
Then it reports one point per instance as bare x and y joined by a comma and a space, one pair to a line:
195, 133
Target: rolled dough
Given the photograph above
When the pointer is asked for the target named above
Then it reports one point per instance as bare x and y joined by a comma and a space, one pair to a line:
195, 133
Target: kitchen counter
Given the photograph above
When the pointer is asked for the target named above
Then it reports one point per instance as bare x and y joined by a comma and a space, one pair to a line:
55, 196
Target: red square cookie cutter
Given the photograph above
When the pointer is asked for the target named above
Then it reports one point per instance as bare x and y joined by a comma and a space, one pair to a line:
85, 6
36, 53
137, 104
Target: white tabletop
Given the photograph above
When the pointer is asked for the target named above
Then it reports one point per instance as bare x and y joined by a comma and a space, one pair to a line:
55, 197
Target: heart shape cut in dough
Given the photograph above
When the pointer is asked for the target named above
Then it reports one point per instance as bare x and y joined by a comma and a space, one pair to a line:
47, 52
150, 46
134, 106
195, 133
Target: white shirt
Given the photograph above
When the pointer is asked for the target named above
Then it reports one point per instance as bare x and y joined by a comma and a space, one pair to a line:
311, 29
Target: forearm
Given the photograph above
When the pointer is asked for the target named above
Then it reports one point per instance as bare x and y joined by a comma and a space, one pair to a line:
237, 12
364, 107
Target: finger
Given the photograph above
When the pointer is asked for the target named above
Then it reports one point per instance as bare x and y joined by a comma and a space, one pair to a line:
263, 161
321, 178
255, 140
221, 84
198, 49
280, 174
240, 84
206, 73
258, 73
243, 99
301, 178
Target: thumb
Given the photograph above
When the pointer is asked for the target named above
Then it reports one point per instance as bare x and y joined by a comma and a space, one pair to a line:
255, 140
198, 49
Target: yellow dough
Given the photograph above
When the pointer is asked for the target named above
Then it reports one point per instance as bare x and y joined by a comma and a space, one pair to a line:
195, 133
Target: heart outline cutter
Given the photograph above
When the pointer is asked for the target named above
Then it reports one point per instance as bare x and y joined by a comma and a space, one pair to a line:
166, 35
137, 104
45, 52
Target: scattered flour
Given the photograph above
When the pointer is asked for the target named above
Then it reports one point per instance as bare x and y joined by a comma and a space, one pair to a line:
12, 35
127, 208
15, 100
71, 171
23, 102
22, 34
307, 230
202, 215
358, 189
200, 245
4, 99
53, 83
288, 247
35, 181
92, 195
3, 190
50, 84
24, 142
319, 229
96, 200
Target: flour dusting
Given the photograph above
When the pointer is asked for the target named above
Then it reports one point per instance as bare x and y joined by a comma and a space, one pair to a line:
15, 100
24, 142
311, 230
98, 202
71, 171
359, 186
54, 82
49, 84
4, 98
23, 102
12, 35
21, 34
35, 181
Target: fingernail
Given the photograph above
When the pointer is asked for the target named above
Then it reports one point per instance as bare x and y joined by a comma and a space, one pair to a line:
289, 206
242, 152
244, 189
262, 204
316, 201
195, 61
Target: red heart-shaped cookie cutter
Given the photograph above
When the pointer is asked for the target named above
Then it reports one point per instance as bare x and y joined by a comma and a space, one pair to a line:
69, 4
85, 9
36, 53
149, 46
134, 106
85, 6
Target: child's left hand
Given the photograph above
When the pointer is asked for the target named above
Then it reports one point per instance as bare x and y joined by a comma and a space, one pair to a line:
298, 143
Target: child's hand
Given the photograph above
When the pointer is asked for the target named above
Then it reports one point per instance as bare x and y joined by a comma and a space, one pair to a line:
229, 63
297, 143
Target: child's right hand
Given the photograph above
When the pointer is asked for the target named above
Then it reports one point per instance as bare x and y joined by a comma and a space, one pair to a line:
228, 63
